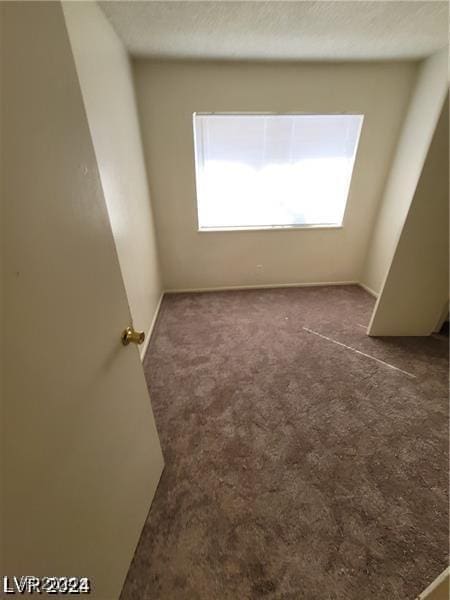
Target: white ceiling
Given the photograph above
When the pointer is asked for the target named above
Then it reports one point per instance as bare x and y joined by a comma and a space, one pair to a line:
278, 30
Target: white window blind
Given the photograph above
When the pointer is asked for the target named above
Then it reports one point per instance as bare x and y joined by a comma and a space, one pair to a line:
273, 170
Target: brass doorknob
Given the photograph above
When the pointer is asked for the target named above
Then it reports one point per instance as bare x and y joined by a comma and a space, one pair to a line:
130, 335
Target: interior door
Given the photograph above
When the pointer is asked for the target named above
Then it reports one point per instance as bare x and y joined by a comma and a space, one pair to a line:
81, 455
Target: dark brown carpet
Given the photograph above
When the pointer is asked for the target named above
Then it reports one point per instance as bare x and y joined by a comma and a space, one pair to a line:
295, 468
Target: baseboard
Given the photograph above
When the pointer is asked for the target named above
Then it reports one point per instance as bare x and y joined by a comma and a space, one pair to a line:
368, 289
259, 287
143, 348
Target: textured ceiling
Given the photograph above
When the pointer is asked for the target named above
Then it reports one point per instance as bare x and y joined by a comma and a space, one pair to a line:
304, 30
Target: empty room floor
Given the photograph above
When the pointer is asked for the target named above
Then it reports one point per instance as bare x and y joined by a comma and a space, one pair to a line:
304, 460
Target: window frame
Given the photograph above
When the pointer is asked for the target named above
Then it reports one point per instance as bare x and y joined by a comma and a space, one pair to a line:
291, 227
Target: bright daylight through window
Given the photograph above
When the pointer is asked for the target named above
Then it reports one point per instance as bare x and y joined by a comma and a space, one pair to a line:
256, 170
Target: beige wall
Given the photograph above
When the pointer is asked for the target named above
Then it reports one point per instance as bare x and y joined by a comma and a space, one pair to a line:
169, 92
420, 122
416, 288
107, 87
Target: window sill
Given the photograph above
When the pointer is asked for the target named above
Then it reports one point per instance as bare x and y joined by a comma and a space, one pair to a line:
267, 228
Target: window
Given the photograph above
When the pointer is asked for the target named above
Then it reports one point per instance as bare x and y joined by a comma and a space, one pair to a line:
264, 171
